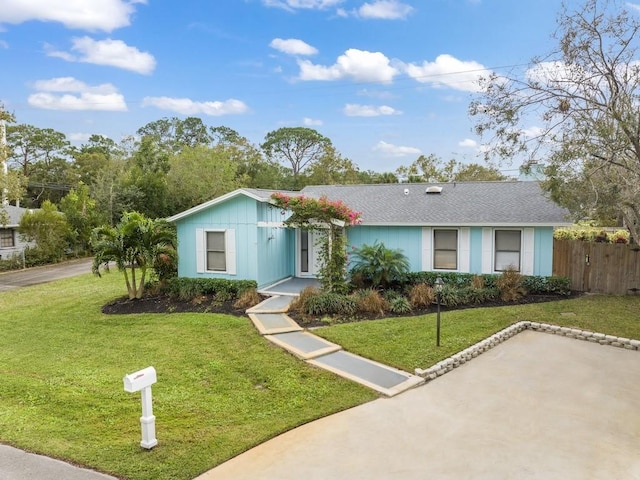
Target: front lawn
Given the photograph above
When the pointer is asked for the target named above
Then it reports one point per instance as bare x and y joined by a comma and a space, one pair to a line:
408, 343
221, 387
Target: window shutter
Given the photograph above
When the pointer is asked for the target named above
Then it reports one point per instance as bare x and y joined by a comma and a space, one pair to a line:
487, 250
230, 246
464, 263
427, 242
527, 251
200, 251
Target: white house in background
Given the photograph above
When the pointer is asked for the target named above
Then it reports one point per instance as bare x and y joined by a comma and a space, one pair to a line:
10, 243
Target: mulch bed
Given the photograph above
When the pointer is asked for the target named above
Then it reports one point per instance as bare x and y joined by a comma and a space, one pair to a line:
155, 303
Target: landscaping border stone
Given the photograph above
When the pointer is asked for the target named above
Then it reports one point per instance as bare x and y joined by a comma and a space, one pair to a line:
488, 343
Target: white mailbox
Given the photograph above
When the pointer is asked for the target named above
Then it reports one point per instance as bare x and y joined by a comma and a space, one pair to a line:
141, 381
135, 382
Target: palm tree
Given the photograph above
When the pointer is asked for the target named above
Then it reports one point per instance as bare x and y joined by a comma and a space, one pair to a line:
379, 264
135, 243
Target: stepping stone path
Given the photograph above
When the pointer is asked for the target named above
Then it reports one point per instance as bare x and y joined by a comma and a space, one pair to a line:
270, 318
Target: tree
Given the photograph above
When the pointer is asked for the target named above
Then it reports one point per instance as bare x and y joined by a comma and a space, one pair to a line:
331, 169
173, 134
586, 95
299, 147
473, 172
423, 169
29, 144
199, 174
134, 245
82, 217
48, 229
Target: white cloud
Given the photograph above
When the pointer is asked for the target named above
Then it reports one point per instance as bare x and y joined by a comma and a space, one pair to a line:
186, 106
468, 143
79, 96
110, 52
293, 46
395, 150
4, 44
448, 71
105, 15
79, 137
385, 10
357, 65
293, 5
355, 110
633, 6
532, 132
310, 122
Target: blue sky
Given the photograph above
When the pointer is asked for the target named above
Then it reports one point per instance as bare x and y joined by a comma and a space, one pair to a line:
385, 80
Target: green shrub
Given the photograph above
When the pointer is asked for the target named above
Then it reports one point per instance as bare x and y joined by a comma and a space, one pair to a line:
537, 285
327, 303
379, 265
450, 296
189, 288
369, 300
299, 304
421, 295
400, 305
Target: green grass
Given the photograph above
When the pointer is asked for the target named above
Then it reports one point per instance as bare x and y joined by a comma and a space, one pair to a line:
409, 343
221, 387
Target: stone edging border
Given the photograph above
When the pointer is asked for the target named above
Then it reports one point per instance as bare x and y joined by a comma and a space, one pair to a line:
473, 351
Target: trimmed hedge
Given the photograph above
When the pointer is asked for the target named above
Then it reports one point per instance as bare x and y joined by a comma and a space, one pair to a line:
533, 284
188, 288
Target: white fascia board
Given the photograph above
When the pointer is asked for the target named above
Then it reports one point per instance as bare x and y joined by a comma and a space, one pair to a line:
463, 224
215, 201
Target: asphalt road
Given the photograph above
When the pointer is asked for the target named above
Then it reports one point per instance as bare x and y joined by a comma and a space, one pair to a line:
49, 273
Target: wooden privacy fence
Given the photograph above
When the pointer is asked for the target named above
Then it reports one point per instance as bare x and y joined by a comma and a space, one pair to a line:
598, 267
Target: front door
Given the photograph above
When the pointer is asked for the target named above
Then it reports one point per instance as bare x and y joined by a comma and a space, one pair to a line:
307, 262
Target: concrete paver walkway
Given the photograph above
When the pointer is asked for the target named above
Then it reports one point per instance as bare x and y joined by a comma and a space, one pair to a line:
538, 406
271, 321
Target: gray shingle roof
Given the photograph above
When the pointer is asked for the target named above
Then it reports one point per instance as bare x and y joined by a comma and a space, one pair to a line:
15, 214
468, 203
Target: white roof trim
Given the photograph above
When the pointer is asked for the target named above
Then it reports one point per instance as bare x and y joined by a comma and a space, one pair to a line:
465, 224
215, 201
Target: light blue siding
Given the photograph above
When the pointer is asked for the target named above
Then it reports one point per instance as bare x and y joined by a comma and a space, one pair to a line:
543, 251
407, 239
475, 252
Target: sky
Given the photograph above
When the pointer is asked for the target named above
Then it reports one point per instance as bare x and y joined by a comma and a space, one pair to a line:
385, 80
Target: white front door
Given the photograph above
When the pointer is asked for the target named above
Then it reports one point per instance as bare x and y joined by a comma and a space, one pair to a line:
307, 262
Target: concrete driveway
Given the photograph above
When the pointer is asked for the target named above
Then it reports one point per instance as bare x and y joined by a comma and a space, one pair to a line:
538, 406
49, 273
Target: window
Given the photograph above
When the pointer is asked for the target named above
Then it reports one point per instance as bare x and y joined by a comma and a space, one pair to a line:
304, 251
508, 245
445, 249
216, 253
7, 239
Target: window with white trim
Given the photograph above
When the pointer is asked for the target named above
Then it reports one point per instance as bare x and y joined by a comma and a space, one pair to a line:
445, 249
508, 250
216, 252
7, 238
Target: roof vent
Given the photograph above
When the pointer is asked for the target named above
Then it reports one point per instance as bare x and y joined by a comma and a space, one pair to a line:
433, 190
406, 191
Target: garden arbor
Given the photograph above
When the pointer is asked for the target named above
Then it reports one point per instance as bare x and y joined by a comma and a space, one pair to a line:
330, 219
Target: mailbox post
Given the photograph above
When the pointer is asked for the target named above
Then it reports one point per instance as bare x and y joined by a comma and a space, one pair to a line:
142, 381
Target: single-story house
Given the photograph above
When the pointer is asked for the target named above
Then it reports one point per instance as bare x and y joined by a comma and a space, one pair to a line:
472, 227
10, 243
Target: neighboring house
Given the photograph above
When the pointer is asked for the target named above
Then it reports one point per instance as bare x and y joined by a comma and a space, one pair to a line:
10, 243
474, 227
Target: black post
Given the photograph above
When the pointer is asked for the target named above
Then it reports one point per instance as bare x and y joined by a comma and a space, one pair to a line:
438, 320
